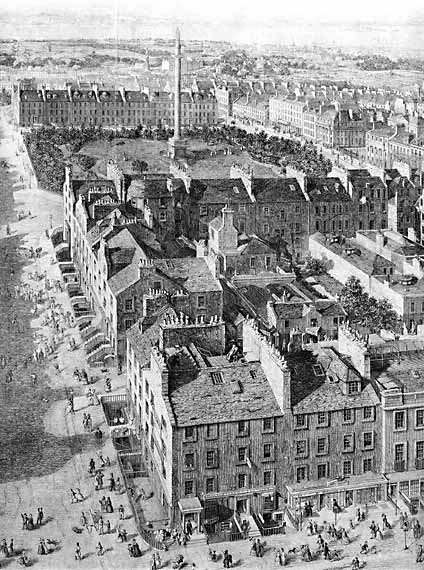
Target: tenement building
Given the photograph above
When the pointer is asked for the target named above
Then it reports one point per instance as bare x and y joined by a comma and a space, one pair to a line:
388, 265
98, 106
119, 259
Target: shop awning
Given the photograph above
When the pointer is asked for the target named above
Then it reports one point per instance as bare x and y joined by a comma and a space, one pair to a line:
351, 483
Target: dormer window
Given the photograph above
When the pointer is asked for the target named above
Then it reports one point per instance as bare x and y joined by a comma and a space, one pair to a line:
353, 388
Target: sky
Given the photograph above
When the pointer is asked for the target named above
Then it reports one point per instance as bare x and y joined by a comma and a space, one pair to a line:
309, 10
377, 24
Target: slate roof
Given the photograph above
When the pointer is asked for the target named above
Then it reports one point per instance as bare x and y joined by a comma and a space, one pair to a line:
191, 273
312, 393
219, 191
277, 190
197, 400
326, 190
149, 188
289, 311
406, 372
145, 333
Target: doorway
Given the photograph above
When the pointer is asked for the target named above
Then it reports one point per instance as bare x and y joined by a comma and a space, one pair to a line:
242, 506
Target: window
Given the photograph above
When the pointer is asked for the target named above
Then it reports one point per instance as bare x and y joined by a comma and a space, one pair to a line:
347, 468
267, 477
367, 464
210, 485
266, 211
267, 451
368, 413
189, 460
399, 420
348, 415
162, 216
201, 301
419, 418
203, 210
266, 229
300, 474
243, 427
252, 262
128, 323
189, 432
322, 418
348, 442
352, 387
212, 431
188, 487
301, 447
322, 470
211, 458
322, 445
242, 454
399, 452
241, 480
300, 420
129, 305
419, 450
368, 439
268, 424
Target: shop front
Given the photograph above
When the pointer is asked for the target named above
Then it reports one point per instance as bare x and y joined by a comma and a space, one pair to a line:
309, 497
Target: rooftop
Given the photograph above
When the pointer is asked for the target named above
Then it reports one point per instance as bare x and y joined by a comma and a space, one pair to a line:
404, 371
326, 190
219, 191
319, 388
277, 190
213, 392
190, 273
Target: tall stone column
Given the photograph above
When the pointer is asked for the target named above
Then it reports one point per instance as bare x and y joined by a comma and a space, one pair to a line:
177, 87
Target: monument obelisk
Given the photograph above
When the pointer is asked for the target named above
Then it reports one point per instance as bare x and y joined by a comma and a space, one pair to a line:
177, 145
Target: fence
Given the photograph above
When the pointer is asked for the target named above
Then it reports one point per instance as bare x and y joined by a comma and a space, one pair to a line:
146, 534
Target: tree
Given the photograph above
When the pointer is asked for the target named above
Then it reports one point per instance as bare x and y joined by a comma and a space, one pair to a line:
365, 311
315, 266
140, 165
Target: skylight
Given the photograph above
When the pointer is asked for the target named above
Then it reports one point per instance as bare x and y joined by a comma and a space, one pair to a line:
217, 377
318, 370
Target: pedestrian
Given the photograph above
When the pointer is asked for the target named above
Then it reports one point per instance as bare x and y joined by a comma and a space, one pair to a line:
326, 551
11, 547
91, 466
103, 502
118, 485
24, 521
111, 483
121, 511
107, 527
30, 523
41, 548
100, 526
78, 554
89, 423
83, 520
40, 517
109, 507
99, 549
